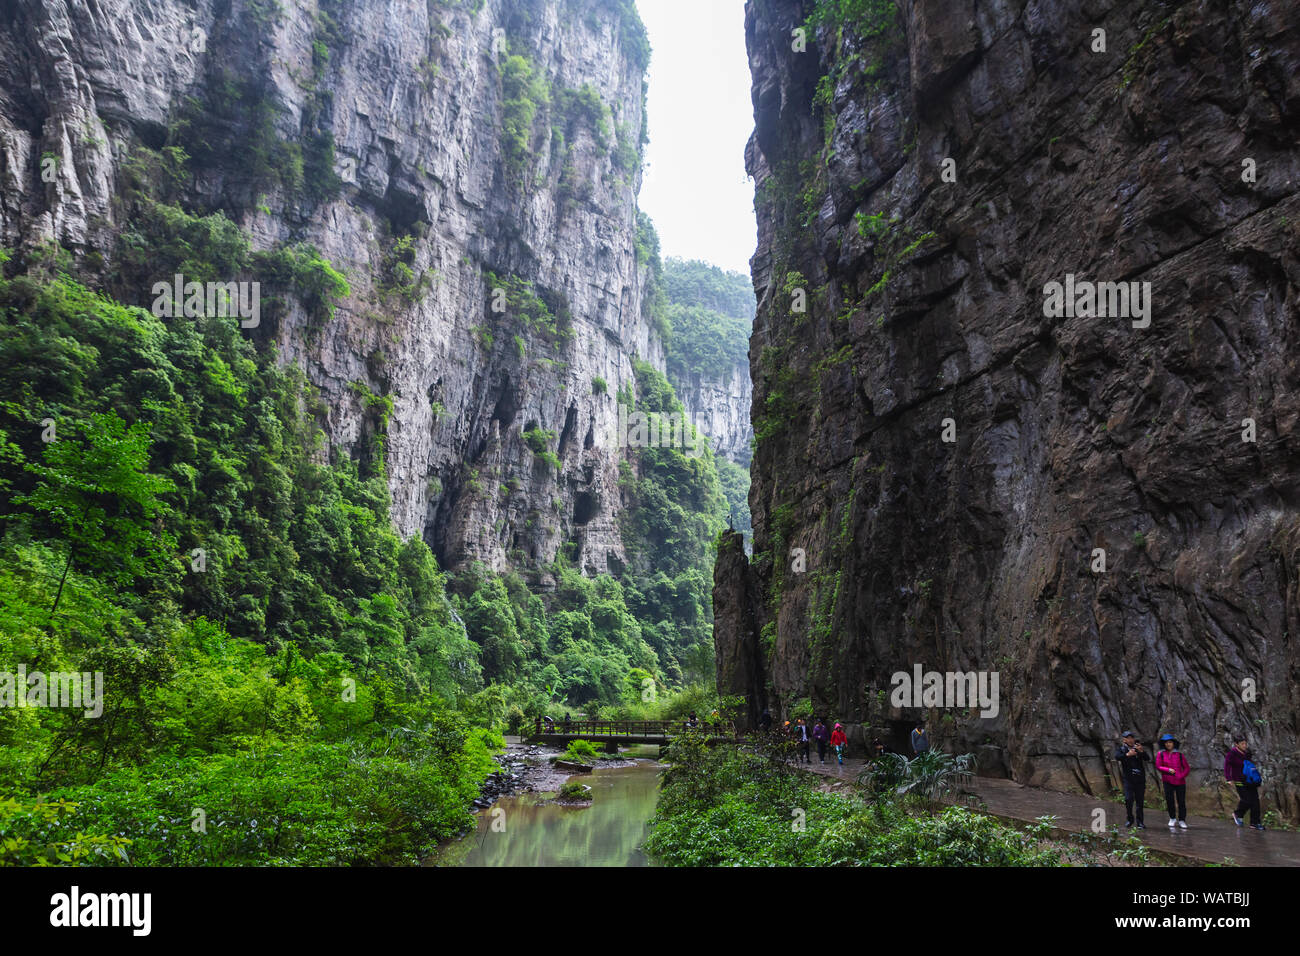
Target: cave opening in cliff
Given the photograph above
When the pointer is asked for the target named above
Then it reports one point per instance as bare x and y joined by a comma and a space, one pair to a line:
585, 507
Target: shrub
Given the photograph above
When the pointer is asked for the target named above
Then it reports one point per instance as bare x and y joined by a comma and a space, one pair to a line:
572, 790
722, 806
581, 751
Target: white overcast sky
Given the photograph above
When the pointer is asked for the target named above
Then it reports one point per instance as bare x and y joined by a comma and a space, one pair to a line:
700, 117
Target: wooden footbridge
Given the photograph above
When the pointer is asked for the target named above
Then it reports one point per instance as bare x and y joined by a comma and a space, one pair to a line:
614, 732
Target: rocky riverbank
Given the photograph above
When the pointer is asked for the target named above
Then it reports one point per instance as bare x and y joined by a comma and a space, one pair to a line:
527, 768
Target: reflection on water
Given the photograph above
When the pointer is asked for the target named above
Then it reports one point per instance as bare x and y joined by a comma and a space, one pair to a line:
607, 833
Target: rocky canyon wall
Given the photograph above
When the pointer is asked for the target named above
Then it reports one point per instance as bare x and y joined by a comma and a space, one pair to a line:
953, 473
453, 157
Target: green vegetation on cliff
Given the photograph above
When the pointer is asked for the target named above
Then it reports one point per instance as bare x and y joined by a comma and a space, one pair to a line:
710, 314
271, 651
575, 645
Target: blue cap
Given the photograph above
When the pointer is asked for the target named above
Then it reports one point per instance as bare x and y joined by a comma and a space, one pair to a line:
1167, 737
1128, 733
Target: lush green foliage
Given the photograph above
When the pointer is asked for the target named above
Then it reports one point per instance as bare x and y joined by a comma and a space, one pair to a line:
927, 777
866, 18
575, 648
574, 790
516, 298
689, 282
583, 105
581, 751
676, 509
725, 807
523, 93
705, 343
273, 654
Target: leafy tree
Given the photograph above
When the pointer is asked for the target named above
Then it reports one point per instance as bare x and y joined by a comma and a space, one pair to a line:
101, 498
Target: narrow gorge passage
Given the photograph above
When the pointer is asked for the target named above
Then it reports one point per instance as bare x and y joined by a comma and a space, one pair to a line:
646, 435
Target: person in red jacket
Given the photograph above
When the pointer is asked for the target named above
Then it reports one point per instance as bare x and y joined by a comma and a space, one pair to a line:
839, 741
1174, 768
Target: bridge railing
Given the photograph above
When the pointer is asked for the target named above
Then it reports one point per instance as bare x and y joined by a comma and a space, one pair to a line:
618, 728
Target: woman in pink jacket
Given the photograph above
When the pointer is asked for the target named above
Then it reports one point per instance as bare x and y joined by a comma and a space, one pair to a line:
839, 741
1174, 768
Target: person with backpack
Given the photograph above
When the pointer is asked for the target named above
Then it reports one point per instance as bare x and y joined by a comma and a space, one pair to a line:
1241, 771
822, 736
839, 741
1174, 768
1133, 774
801, 738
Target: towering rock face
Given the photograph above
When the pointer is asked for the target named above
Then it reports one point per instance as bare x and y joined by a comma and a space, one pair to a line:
471, 167
736, 649
955, 455
719, 407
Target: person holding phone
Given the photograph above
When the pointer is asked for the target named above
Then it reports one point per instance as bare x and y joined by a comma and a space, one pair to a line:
1132, 759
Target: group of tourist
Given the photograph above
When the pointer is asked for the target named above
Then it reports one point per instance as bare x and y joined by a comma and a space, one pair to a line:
1239, 769
824, 736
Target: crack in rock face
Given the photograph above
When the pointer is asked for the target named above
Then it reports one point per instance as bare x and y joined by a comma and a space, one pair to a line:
1097, 500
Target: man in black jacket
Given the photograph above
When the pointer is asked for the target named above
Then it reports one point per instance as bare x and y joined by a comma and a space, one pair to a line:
1133, 774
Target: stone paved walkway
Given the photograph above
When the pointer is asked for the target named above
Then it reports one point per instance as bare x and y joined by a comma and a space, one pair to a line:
1207, 839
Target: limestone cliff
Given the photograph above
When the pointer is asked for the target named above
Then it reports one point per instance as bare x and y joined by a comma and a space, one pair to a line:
719, 407
951, 458
447, 157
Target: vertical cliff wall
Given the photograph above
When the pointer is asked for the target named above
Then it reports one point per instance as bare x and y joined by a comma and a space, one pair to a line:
720, 409
951, 459
447, 157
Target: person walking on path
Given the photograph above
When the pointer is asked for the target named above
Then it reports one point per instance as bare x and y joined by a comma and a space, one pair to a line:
920, 740
1132, 759
839, 741
1240, 770
801, 738
1174, 768
822, 736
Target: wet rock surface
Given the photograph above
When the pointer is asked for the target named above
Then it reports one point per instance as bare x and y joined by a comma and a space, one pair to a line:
1071, 433
528, 768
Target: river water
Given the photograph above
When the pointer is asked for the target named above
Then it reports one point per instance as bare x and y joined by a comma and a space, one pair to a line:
532, 832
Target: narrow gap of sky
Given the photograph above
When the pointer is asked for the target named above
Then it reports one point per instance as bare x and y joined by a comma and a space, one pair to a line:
700, 116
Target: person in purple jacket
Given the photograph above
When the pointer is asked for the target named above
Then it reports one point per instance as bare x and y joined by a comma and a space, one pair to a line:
1240, 770
821, 735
